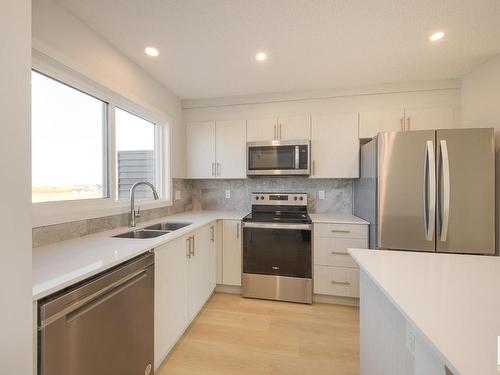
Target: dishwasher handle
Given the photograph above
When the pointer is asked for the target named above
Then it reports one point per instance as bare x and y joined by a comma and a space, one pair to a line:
104, 295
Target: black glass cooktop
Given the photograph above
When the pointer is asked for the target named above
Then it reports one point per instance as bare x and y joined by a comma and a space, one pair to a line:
278, 217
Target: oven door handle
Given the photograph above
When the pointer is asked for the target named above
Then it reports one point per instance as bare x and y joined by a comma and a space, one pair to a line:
277, 226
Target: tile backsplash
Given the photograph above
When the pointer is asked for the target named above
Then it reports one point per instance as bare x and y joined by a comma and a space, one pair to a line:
211, 194
59, 232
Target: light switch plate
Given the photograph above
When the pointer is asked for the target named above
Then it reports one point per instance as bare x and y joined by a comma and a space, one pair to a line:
410, 340
228, 194
321, 194
178, 195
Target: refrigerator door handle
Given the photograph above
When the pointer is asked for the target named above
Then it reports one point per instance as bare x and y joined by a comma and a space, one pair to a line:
429, 191
446, 190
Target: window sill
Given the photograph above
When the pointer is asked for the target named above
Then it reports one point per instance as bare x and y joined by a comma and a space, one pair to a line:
63, 212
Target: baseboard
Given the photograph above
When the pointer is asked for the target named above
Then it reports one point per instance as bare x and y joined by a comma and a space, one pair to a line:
319, 298
229, 289
336, 300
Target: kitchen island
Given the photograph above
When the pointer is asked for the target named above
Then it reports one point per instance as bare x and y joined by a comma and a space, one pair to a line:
427, 313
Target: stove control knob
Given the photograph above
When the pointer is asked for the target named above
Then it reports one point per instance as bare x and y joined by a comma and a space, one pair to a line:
262, 197
294, 198
257, 198
301, 198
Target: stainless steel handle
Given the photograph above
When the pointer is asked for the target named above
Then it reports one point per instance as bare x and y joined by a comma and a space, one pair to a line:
213, 173
85, 301
188, 247
313, 167
341, 282
275, 132
429, 195
297, 157
103, 297
408, 126
193, 246
402, 123
338, 253
212, 233
446, 190
277, 226
238, 230
280, 131
340, 231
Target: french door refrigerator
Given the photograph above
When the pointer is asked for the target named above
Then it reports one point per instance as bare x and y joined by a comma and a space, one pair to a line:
431, 190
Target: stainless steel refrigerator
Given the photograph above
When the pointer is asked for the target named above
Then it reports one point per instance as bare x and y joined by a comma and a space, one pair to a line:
431, 190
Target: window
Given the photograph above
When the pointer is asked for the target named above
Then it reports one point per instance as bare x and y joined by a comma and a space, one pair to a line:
69, 158
136, 154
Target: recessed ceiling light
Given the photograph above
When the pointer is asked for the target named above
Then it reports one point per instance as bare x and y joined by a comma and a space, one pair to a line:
436, 36
260, 56
151, 51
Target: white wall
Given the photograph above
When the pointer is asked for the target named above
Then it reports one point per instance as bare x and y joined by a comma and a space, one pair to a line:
15, 189
481, 97
59, 34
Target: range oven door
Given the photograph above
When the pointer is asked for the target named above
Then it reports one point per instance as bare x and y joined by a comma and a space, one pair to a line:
277, 249
278, 158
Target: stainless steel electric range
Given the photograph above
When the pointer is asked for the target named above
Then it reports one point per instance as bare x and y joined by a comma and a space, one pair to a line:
277, 251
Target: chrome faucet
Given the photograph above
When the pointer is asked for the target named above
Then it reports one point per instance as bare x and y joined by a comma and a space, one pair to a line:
133, 212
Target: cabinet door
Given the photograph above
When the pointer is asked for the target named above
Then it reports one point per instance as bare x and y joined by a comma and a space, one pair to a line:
200, 138
171, 296
429, 118
294, 128
231, 253
212, 253
262, 129
335, 146
230, 149
218, 250
373, 122
198, 270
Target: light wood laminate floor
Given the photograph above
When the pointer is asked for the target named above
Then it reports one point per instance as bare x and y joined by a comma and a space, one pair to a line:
235, 335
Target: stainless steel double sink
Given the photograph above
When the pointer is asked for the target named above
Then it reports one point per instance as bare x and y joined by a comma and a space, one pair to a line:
152, 231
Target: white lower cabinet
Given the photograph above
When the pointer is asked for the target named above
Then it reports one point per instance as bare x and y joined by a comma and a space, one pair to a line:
231, 252
335, 272
185, 272
171, 296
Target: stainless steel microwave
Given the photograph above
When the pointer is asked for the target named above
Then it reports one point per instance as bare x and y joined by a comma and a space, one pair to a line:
278, 158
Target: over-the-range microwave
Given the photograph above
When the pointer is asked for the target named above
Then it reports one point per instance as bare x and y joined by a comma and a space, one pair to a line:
274, 158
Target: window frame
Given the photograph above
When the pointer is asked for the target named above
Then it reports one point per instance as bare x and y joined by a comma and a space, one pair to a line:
47, 213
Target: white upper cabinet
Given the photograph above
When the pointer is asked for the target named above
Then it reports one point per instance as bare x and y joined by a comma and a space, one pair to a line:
373, 122
335, 146
294, 128
200, 149
289, 128
230, 148
216, 149
422, 118
262, 129
428, 118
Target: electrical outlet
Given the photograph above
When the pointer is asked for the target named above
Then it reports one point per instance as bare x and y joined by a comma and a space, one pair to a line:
410, 340
178, 195
228, 194
321, 194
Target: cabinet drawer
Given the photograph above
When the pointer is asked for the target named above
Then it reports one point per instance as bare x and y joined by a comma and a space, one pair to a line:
332, 251
341, 230
336, 281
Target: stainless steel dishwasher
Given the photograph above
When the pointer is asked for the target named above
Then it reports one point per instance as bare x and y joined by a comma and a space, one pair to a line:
103, 326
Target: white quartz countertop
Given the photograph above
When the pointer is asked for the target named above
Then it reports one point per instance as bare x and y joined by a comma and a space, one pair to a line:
337, 219
453, 300
60, 265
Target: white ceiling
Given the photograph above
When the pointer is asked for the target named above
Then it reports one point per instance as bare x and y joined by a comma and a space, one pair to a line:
207, 47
